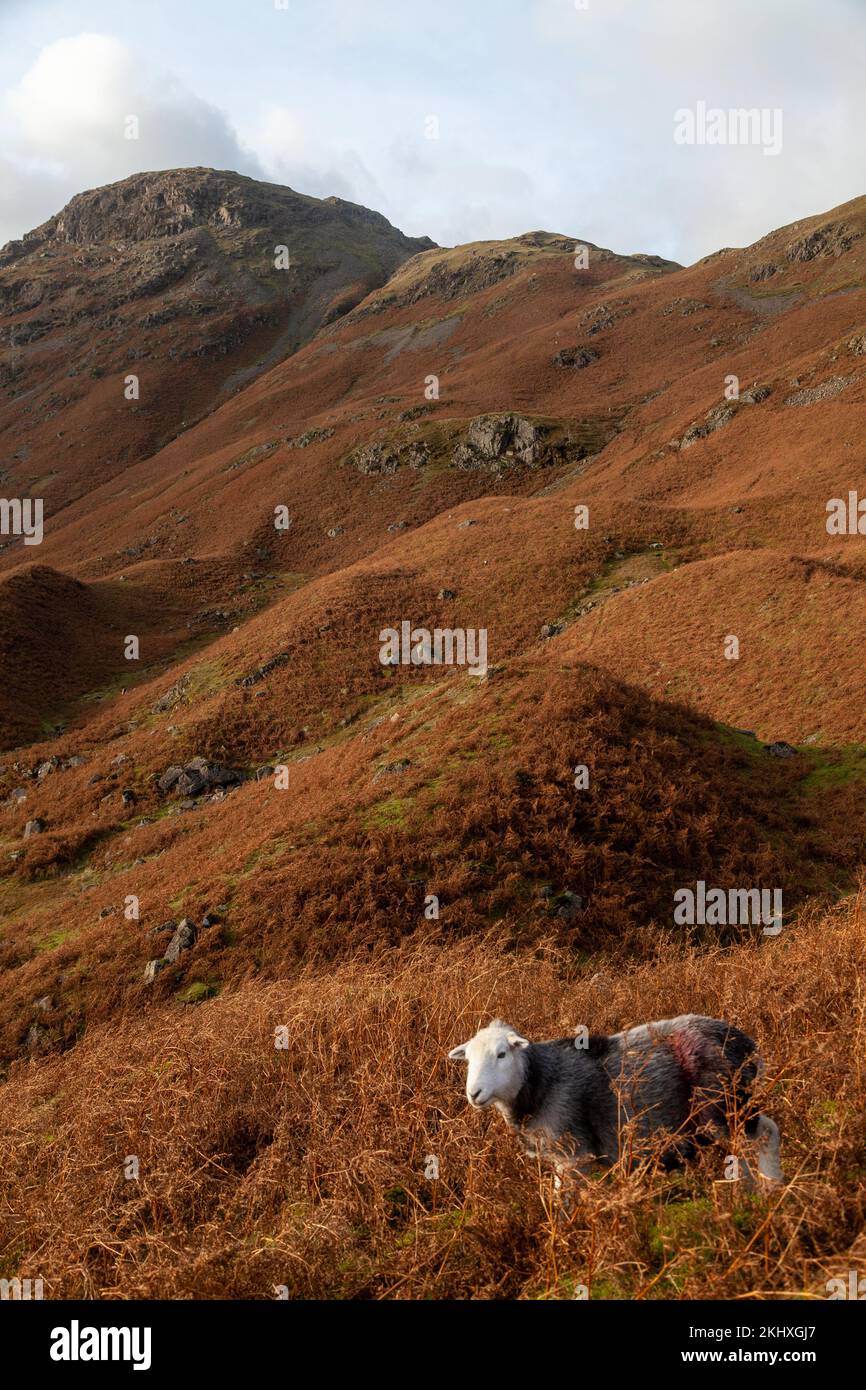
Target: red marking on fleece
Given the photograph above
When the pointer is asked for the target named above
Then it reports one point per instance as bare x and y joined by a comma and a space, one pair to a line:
686, 1047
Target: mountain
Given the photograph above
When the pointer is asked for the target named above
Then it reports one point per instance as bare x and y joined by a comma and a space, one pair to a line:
178, 278
614, 467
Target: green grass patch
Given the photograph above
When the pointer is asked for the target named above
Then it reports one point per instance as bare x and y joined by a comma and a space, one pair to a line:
836, 768
198, 991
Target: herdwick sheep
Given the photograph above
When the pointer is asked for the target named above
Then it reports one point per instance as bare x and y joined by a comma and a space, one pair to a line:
596, 1099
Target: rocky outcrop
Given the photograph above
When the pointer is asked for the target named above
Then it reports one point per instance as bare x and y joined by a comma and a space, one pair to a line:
171, 202
448, 279
810, 395
197, 777
262, 672
495, 442
378, 458
577, 357
833, 240
491, 441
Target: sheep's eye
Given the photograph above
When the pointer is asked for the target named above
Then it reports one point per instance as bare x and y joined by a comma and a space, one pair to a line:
500, 1055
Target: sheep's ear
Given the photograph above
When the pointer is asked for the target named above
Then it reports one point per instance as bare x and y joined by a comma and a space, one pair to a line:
515, 1040
458, 1054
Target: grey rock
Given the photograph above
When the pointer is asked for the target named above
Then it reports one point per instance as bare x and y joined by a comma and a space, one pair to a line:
197, 776
780, 749
579, 357
392, 769
494, 442
164, 930
183, 939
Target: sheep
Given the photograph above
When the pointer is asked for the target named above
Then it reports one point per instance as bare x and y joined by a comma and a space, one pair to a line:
596, 1099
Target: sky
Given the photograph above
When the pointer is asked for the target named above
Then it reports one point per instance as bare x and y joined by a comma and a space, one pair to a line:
460, 119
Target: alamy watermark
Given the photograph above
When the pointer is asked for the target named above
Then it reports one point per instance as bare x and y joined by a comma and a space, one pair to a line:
846, 518
22, 516
419, 646
735, 126
720, 907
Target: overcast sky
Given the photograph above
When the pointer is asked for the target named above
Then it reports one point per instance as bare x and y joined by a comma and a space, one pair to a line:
553, 114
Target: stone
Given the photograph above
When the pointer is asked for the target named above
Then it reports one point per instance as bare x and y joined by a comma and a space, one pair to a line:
169, 778
162, 930
570, 904
34, 827
715, 420
579, 357
780, 749
494, 441
197, 776
183, 939
392, 769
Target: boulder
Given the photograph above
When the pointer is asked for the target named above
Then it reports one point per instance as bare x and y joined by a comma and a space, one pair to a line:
579, 357
183, 939
197, 776
494, 441
780, 749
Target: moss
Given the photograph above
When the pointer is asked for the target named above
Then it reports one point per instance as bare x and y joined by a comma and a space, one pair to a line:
53, 940
386, 814
198, 991
683, 1226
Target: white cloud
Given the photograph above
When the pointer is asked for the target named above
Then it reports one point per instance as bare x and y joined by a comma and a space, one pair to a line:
291, 153
67, 119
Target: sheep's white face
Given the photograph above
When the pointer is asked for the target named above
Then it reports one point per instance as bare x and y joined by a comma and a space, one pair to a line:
495, 1066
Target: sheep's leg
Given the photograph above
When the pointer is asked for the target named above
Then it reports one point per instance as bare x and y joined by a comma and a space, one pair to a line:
768, 1144
764, 1149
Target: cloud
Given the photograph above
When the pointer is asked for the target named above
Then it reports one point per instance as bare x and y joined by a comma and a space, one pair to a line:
68, 119
552, 115
291, 153
659, 56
